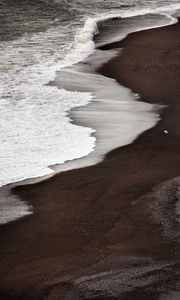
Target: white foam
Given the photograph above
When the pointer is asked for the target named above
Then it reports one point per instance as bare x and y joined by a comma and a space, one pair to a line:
116, 114
25, 97
38, 132
11, 208
35, 131
83, 42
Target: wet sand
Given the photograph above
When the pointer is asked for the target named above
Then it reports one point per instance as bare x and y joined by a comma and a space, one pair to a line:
109, 231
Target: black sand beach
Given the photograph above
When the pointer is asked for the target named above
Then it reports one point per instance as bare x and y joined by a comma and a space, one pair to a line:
110, 231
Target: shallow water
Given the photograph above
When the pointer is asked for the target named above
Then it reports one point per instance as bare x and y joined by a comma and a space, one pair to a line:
39, 38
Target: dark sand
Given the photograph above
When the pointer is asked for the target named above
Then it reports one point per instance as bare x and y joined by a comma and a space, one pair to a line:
104, 221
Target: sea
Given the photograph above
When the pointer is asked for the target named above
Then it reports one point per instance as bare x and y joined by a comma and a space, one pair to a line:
55, 111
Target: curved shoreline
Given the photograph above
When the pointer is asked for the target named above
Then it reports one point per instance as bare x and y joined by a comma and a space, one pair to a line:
97, 219
116, 104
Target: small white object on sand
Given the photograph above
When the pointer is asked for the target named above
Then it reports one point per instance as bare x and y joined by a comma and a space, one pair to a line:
166, 132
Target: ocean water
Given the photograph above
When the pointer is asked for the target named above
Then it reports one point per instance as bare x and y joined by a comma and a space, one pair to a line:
39, 39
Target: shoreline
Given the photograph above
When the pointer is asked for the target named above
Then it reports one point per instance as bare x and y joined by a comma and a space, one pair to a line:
113, 112
85, 221
126, 114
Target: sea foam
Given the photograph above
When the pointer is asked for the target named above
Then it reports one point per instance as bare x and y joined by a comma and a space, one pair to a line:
35, 129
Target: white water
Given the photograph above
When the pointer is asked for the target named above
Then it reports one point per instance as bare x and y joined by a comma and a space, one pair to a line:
116, 114
35, 131
33, 116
